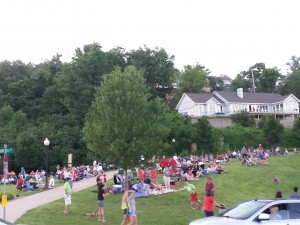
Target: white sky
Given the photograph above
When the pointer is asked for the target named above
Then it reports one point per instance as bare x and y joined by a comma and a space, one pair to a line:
226, 36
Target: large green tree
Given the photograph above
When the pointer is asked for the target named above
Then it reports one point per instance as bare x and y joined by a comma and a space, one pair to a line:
157, 66
204, 135
193, 79
268, 80
123, 122
272, 130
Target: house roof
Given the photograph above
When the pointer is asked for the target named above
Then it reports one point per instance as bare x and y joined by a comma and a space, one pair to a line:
202, 98
248, 97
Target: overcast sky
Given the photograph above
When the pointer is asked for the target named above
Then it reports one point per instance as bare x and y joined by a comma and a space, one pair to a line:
226, 36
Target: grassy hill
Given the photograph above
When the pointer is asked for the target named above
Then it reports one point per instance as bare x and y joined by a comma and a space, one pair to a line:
237, 184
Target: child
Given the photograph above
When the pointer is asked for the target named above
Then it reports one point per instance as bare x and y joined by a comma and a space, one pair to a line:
193, 192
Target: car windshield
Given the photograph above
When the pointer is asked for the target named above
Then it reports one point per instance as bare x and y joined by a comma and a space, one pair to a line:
244, 210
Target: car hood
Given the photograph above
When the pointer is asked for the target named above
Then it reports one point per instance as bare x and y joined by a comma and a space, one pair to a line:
213, 220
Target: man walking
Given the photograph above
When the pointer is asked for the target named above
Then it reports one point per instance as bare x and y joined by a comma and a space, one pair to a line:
67, 195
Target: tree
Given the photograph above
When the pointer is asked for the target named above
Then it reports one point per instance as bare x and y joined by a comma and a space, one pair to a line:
78, 80
294, 64
240, 82
272, 129
203, 135
291, 84
156, 64
193, 79
215, 83
268, 80
245, 78
123, 122
296, 133
244, 119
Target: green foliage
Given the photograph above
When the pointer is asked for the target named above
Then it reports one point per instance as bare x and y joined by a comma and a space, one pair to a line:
124, 122
156, 64
203, 135
237, 136
244, 119
268, 80
193, 79
240, 82
182, 130
272, 130
6, 113
295, 134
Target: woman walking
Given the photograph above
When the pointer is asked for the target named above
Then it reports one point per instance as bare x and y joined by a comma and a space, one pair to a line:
125, 208
132, 208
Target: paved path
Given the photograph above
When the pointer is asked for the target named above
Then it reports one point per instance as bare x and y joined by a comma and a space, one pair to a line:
17, 207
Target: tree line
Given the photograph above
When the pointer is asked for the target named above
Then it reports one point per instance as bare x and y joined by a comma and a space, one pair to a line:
70, 103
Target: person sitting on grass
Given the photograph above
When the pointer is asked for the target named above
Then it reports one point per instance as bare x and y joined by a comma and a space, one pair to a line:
219, 168
193, 193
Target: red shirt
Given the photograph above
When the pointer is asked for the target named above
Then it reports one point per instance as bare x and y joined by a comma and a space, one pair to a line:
172, 162
164, 162
209, 203
153, 173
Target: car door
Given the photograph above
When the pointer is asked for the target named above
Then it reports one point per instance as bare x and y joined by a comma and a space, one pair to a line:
281, 216
294, 210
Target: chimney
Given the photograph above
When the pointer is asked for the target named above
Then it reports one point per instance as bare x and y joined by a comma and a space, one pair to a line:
239, 92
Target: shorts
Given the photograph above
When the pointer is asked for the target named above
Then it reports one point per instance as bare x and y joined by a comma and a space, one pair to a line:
100, 203
126, 212
68, 200
132, 213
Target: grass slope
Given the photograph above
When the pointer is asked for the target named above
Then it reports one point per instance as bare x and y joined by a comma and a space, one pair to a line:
239, 183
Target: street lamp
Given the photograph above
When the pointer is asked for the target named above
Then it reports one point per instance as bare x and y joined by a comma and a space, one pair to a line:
46, 144
253, 83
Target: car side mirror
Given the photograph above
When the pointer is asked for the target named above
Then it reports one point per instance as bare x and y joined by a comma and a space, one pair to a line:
264, 216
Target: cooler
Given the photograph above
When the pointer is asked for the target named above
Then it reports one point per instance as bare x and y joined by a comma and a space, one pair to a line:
117, 189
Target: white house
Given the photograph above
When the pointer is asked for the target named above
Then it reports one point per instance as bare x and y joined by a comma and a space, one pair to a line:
229, 103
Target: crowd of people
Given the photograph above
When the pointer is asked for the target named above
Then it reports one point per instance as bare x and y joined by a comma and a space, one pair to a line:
144, 183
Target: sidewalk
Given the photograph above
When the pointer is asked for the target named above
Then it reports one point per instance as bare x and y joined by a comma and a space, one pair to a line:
17, 207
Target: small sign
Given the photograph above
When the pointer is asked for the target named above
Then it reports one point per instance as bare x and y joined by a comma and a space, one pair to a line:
8, 150
4, 200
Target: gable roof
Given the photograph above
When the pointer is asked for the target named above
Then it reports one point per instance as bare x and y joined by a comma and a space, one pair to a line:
202, 98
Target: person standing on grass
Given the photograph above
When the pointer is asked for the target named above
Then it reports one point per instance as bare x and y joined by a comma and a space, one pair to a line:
209, 203
167, 178
210, 186
193, 192
100, 201
132, 208
125, 208
67, 195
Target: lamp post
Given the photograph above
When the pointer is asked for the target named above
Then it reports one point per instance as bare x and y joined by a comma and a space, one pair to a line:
173, 141
46, 144
253, 83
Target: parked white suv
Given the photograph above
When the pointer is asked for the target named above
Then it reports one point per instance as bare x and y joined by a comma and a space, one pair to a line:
262, 211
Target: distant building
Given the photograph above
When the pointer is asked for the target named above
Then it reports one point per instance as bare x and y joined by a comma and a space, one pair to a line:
223, 103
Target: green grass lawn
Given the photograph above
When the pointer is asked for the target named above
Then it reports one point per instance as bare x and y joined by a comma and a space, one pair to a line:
237, 184
12, 190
